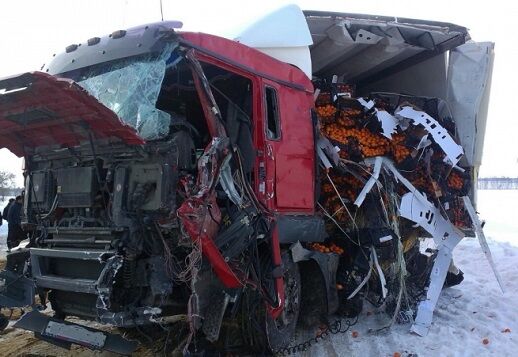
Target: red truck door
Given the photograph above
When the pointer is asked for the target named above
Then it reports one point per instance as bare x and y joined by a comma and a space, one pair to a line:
289, 148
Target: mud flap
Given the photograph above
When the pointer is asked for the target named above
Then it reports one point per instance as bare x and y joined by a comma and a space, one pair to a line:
64, 334
328, 264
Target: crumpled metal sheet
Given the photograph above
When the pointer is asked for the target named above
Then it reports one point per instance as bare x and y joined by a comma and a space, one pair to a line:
441, 136
469, 84
64, 333
364, 47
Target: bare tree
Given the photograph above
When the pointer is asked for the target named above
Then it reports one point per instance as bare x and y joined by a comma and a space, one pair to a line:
6, 182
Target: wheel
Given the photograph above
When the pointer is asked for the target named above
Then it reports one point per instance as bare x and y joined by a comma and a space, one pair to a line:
280, 331
257, 332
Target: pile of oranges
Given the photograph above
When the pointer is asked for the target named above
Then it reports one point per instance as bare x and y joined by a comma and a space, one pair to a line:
371, 144
421, 180
455, 181
326, 111
399, 150
322, 248
347, 129
347, 185
323, 99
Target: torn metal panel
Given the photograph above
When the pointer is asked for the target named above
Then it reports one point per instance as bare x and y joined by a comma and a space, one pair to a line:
440, 268
202, 226
327, 153
429, 218
446, 236
482, 239
64, 333
370, 183
104, 284
367, 105
388, 123
440, 135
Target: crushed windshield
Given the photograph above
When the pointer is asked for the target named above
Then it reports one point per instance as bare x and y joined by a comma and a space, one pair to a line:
130, 87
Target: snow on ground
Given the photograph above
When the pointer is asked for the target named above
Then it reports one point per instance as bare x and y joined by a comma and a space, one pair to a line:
467, 315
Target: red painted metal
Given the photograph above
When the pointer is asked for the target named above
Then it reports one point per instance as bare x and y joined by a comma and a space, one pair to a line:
275, 311
248, 59
63, 114
290, 160
202, 226
200, 213
285, 168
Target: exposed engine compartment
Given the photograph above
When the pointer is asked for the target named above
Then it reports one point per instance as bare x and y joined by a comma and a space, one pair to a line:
97, 210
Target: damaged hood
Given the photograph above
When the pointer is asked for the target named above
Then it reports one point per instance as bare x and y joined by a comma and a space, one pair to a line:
37, 109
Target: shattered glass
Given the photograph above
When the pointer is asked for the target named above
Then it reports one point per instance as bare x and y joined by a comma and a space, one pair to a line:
130, 88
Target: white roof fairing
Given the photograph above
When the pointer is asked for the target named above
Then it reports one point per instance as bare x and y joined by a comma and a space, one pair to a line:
282, 34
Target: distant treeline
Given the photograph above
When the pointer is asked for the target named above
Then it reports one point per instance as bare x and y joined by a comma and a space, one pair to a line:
498, 183
6, 193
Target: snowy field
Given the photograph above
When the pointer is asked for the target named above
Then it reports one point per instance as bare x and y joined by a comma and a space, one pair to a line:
472, 319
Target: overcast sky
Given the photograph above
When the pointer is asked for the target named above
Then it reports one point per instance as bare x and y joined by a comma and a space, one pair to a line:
32, 30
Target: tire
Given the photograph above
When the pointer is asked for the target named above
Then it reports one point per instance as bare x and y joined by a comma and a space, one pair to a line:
280, 331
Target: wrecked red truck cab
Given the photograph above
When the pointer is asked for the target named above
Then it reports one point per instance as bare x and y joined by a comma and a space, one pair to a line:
183, 177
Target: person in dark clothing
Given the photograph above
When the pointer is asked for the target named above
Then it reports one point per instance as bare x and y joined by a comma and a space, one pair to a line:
15, 234
6, 209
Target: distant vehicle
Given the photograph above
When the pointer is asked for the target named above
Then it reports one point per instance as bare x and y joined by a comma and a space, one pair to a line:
180, 176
